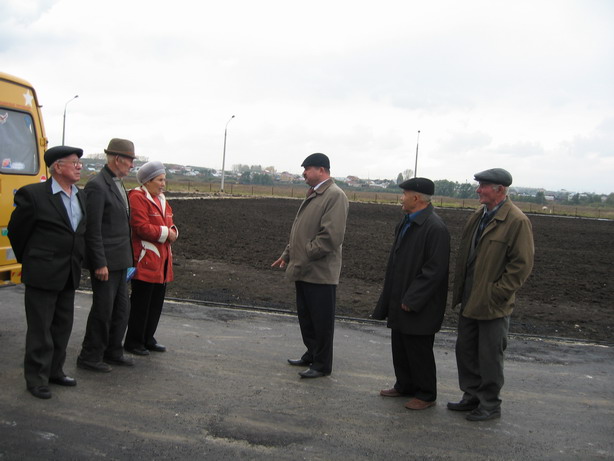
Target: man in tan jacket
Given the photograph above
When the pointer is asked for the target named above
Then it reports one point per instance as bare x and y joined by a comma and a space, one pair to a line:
494, 259
312, 261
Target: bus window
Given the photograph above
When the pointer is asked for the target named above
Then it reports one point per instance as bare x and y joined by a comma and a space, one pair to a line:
18, 148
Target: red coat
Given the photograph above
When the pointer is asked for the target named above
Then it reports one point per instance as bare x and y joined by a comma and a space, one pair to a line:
150, 224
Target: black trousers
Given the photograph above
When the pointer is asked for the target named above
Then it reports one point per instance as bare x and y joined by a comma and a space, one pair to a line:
315, 305
414, 365
146, 301
480, 348
49, 315
108, 319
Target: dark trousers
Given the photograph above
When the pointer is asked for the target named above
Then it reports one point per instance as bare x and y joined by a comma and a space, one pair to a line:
414, 365
315, 305
108, 319
480, 348
146, 301
49, 315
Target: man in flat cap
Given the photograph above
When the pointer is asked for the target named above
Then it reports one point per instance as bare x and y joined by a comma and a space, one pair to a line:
312, 261
46, 231
109, 255
495, 257
414, 295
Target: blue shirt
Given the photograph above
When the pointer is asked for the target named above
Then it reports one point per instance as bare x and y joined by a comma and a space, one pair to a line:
71, 203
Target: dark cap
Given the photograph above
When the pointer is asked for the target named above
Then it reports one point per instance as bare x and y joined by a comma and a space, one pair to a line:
316, 160
421, 185
56, 153
494, 176
121, 147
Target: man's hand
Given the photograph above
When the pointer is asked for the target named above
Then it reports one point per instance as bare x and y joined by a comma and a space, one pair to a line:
102, 274
279, 263
405, 308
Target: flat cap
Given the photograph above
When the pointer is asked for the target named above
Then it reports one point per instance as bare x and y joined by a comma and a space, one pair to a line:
121, 147
494, 176
316, 160
421, 185
56, 153
150, 171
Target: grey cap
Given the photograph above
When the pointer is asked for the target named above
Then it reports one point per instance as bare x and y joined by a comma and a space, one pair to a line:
494, 176
149, 171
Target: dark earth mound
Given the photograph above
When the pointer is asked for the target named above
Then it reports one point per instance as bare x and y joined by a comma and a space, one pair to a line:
226, 247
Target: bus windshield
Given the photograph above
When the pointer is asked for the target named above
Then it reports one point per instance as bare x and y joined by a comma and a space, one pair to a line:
18, 152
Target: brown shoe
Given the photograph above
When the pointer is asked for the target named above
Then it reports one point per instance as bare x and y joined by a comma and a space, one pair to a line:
392, 392
417, 404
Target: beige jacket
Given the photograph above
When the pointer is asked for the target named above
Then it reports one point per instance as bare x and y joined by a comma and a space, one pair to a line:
502, 261
314, 252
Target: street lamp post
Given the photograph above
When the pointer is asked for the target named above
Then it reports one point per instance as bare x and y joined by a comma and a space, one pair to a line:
224, 154
64, 123
416, 165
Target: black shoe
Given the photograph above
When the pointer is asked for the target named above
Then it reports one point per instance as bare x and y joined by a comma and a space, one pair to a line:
464, 405
122, 361
156, 347
299, 362
99, 367
311, 373
140, 350
482, 414
64, 381
42, 392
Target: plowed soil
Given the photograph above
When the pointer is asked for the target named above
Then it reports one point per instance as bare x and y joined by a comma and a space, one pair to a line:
226, 247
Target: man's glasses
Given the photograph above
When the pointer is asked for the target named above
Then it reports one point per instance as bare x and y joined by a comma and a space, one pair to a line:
75, 163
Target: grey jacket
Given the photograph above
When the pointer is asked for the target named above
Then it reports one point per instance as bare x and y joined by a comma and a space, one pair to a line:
314, 252
107, 236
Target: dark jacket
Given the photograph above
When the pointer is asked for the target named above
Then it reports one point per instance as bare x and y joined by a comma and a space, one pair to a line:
108, 226
417, 276
43, 238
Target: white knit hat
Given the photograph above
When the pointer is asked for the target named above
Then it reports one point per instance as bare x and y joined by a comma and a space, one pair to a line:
149, 171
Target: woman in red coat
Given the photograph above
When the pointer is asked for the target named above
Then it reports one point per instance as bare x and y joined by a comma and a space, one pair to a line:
153, 231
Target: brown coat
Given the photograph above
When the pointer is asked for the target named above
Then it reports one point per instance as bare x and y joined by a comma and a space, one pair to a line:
503, 260
314, 252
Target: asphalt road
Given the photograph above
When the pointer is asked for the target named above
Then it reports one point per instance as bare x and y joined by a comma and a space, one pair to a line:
224, 391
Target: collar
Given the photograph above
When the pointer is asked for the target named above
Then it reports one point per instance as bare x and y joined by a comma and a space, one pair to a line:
56, 188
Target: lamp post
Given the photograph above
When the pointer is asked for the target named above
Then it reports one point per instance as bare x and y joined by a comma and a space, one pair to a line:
224, 154
64, 124
416, 165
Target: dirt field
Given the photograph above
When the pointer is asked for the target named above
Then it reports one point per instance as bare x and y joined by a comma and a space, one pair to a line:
226, 248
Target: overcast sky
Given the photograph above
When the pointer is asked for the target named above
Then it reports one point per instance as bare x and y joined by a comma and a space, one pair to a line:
523, 85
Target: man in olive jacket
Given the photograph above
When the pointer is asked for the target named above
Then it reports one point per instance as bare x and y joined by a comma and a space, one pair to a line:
414, 295
495, 258
312, 260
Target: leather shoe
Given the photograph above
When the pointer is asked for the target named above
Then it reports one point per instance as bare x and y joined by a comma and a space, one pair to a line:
156, 347
140, 350
122, 361
464, 405
311, 373
100, 367
392, 392
63, 381
482, 414
299, 362
417, 404
42, 392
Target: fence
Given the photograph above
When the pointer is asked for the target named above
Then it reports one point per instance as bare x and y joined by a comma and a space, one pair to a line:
291, 191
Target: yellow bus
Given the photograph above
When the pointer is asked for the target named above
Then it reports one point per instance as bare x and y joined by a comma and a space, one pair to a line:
22, 146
